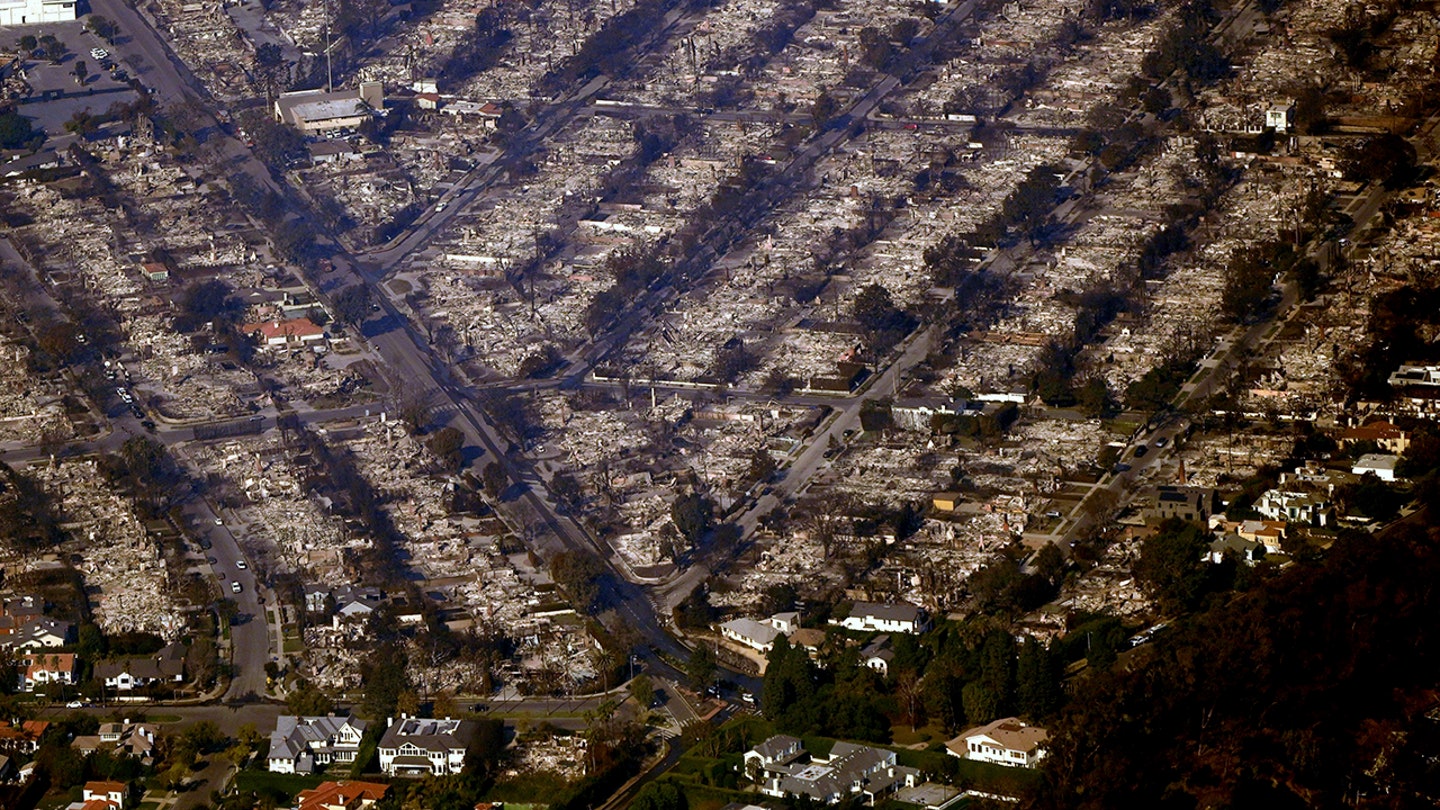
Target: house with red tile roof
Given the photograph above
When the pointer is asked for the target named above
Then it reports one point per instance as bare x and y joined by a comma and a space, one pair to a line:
341, 796
293, 331
42, 668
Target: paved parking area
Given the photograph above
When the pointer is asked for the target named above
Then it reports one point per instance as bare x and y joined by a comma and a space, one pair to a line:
57, 96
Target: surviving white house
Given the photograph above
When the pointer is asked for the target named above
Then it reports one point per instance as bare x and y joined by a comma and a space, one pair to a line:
759, 635
1296, 507
899, 617
298, 744
878, 655
415, 746
31, 12
1381, 465
782, 766
126, 674
1006, 741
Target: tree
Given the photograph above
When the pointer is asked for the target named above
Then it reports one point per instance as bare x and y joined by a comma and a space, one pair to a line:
81, 71
494, 480
384, 677
1094, 398
270, 68
1028, 207
733, 359
778, 598
448, 445
54, 49
762, 466
982, 704
700, 670
275, 144
1388, 159
1172, 567
1037, 681
579, 575
695, 611
309, 700
29, 43
661, 795
642, 690
566, 489
1249, 277
692, 514
352, 304
102, 27
1373, 498
874, 309
824, 108
15, 130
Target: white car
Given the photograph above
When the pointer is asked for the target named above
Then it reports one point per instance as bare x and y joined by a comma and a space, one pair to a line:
241, 564
75, 704
234, 586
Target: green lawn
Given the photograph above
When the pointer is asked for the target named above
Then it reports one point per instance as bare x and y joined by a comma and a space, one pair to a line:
286, 785
528, 789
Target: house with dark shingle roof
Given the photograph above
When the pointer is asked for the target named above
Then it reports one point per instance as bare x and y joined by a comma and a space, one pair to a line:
418, 746
897, 617
299, 744
125, 674
781, 766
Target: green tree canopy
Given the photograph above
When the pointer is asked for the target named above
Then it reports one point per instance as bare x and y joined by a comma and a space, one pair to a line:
1172, 566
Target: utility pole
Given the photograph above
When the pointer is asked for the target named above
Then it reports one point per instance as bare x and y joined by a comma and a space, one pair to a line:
329, 67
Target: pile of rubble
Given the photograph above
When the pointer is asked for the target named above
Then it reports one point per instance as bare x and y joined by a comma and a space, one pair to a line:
130, 584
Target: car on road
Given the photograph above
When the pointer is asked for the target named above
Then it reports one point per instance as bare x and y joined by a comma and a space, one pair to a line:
1161, 442
235, 586
75, 704
1141, 451
1120, 468
219, 521
241, 564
